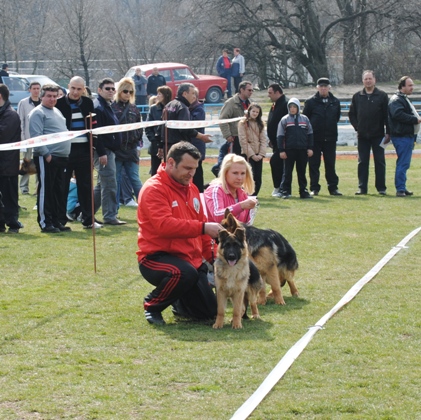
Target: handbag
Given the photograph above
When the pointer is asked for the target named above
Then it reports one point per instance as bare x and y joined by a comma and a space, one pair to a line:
27, 167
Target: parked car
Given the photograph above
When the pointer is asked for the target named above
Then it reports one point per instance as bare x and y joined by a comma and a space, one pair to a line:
18, 85
211, 88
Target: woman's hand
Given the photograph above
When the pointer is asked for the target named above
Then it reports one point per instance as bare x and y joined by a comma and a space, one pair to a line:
249, 204
257, 158
283, 155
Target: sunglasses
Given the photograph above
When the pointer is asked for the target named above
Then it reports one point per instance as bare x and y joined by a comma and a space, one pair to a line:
127, 91
110, 88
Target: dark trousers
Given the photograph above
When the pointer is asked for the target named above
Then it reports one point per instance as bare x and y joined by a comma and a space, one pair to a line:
237, 81
198, 178
227, 147
277, 168
142, 100
9, 196
328, 149
51, 186
80, 163
176, 279
295, 157
256, 168
364, 148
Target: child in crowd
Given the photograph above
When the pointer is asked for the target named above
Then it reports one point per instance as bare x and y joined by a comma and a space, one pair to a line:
253, 142
295, 143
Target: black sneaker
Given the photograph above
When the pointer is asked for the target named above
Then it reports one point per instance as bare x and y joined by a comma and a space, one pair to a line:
154, 318
335, 192
63, 228
361, 192
50, 229
306, 195
13, 230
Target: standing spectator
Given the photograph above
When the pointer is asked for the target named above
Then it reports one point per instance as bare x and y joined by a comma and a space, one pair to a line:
127, 155
223, 67
278, 110
295, 144
234, 107
141, 82
155, 80
238, 68
404, 123
3, 72
76, 108
25, 106
51, 162
174, 239
253, 142
178, 109
197, 113
164, 95
324, 111
10, 131
105, 192
368, 116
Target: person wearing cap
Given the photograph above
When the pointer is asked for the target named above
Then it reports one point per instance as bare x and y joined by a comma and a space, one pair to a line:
295, 145
368, 116
324, 111
4, 72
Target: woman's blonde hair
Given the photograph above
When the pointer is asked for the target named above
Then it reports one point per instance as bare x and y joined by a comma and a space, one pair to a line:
229, 160
126, 83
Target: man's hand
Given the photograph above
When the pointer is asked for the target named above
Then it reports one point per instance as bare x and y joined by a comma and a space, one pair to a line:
103, 160
309, 153
212, 229
386, 138
283, 155
160, 153
206, 138
230, 139
48, 159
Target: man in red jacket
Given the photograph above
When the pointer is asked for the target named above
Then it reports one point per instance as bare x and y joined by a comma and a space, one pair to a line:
175, 238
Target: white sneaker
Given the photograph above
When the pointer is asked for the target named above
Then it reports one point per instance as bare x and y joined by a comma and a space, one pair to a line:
35, 207
131, 203
94, 226
276, 193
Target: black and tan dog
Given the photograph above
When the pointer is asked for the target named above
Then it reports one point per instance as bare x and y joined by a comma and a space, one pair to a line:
235, 277
273, 256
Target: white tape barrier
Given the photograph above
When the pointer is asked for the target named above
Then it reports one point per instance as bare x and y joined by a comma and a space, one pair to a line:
68, 135
278, 372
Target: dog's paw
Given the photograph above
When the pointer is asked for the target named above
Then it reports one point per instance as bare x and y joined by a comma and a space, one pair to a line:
280, 301
217, 325
256, 316
237, 326
261, 301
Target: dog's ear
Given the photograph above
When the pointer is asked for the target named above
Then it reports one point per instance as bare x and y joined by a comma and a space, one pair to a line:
240, 234
222, 235
227, 212
232, 222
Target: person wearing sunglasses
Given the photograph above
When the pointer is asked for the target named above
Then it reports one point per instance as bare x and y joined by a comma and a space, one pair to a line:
105, 192
127, 155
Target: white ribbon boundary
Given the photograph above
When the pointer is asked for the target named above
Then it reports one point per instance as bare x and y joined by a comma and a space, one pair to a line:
292, 354
48, 139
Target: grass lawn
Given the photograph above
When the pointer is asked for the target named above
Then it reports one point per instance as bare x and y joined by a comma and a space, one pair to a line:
75, 344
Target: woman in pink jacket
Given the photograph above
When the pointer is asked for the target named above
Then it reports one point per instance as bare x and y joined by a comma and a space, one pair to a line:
231, 190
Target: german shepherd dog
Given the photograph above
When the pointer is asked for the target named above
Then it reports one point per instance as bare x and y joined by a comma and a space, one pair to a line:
273, 256
235, 277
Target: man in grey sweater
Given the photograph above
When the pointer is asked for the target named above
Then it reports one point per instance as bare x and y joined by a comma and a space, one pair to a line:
51, 161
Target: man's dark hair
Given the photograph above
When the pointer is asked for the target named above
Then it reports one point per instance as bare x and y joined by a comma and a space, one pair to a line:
181, 148
34, 84
4, 92
49, 88
243, 85
184, 87
402, 82
106, 81
276, 87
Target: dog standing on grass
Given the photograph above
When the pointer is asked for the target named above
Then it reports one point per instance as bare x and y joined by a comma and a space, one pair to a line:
233, 277
273, 256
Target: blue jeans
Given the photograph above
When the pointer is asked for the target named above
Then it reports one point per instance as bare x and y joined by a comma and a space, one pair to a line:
105, 191
132, 172
403, 147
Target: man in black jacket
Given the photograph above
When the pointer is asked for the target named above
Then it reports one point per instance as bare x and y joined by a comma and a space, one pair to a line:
155, 80
105, 192
368, 116
76, 109
10, 131
404, 123
324, 111
178, 109
279, 109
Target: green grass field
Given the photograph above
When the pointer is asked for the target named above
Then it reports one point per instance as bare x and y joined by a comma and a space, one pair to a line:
75, 344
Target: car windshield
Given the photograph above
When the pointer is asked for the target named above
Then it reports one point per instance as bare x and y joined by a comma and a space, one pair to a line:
43, 80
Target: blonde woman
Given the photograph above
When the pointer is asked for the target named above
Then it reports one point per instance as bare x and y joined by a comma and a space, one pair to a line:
231, 190
253, 142
131, 141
